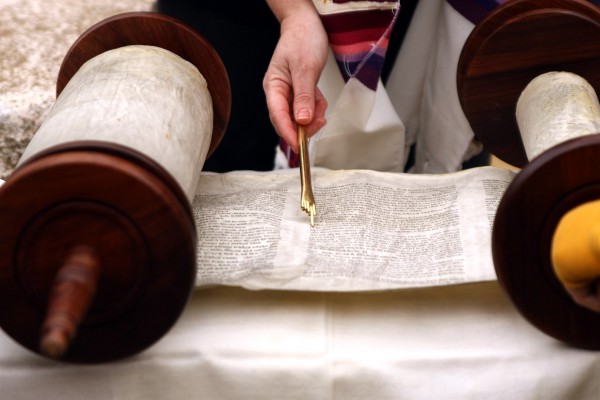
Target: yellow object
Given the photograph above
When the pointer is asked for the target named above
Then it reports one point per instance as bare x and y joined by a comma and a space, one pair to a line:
576, 246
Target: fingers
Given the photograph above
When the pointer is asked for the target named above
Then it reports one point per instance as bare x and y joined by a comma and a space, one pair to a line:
588, 296
285, 125
290, 83
278, 92
309, 104
304, 81
292, 95
319, 120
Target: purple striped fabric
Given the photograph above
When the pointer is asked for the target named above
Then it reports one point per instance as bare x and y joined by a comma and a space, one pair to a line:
359, 39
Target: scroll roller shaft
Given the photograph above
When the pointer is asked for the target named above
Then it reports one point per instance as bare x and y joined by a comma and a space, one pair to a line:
72, 293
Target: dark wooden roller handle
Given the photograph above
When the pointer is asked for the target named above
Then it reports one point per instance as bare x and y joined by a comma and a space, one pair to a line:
72, 293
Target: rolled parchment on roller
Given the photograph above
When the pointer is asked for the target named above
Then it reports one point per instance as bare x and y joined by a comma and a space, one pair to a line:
525, 79
98, 236
555, 107
142, 97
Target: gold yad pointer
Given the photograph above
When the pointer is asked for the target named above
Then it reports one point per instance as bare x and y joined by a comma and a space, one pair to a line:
307, 202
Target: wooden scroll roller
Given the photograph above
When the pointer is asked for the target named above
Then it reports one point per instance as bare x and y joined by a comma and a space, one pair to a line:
547, 123
98, 240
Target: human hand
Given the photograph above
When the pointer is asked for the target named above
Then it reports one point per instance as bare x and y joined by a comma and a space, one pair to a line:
290, 83
587, 296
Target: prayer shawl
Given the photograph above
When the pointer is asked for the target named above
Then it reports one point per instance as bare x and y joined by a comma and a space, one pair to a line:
364, 129
358, 33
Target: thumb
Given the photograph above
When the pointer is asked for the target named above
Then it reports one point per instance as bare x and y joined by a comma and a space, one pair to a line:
304, 97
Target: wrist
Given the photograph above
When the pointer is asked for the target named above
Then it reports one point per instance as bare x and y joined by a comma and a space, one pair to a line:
289, 8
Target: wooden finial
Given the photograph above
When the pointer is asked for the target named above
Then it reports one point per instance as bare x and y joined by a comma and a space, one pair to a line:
70, 297
513, 45
117, 200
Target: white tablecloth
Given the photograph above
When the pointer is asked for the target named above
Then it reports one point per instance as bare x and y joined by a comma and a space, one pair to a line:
453, 342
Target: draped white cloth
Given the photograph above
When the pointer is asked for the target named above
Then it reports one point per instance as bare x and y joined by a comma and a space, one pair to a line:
422, 87
452, 342
419, 105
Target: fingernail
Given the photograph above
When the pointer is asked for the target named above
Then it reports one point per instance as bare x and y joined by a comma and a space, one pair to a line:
303, 114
